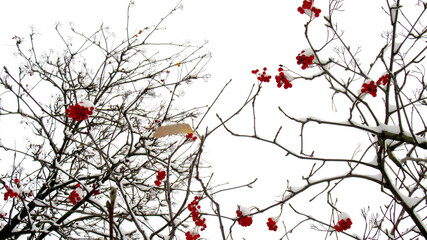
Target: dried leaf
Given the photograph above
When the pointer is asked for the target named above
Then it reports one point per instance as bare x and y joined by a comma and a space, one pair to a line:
173, 129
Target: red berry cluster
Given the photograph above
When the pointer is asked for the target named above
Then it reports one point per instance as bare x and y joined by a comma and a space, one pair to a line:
316, 11
263, 77
272, 225
244, 221
282, 80
194, 208
75, 196
371, 87
308, 5
191, 137
78, 112
383, 80
160, 176
3, 215
343, 225
10, 192
304, 60
189, 236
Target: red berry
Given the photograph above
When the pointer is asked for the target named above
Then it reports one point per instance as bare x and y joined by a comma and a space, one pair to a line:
189, 236
281, 80
371, 88
383, 80
78, 112
343, 224
304, 60
271, 224
307, 4
194, 208
244, 221
191, 137
160, 176
316, 11
158, 183
263, 77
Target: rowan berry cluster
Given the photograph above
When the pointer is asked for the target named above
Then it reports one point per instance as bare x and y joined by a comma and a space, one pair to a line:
11, 192
307, 4
80, 111
194, 208
307, 7
343, 224
191, 137
76, 195
316, 11
272, 224
371, 87
383, 80
263, 77
190, 236
243, 220
282, 79
304, 60
160, 176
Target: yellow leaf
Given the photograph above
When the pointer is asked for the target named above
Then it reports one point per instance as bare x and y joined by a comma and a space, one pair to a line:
172, 129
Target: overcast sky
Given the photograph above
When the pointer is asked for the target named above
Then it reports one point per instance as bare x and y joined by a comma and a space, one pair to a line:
242, 35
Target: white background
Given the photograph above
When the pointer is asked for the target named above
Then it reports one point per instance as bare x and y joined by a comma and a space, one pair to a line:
242, 35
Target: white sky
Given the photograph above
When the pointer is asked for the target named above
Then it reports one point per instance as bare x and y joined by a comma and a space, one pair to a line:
243, 35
